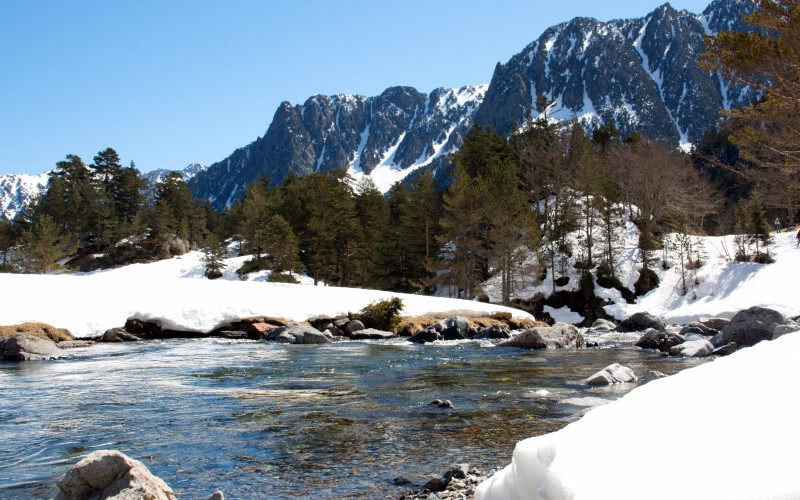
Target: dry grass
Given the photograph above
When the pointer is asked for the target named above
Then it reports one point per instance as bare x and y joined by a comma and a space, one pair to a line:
41, 330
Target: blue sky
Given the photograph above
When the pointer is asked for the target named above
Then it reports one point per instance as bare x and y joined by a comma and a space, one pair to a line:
171, 82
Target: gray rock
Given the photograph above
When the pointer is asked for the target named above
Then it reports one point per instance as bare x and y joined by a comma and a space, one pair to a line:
640, 322
612, 374
693, 349
233, 334
118, 335
217, 495
782, 330
444, 404
696, 328
725, 350
493, 332
74, 344
351, 327
717, 324
296, 333
457, 325
427, 335
372, 334
603, 325
110, 474
454, 333
659, 340
560, 335
441, 483
749, 327
24, 347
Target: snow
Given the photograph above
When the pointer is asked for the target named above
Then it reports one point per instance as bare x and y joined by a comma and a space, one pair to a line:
16, 190
730, 431
563, 315
175, 293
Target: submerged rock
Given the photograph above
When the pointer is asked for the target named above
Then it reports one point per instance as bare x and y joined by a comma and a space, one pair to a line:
24, 347
444, 404
612, 374
110, 474
560, 335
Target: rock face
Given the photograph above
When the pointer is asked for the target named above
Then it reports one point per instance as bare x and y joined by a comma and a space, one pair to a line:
560, 335
612, 374
110, 474
401, 129
749, 327
640, 322
24, 347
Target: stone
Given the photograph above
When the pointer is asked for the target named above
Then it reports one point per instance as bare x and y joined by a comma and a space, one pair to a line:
698, 329
453, 323
118, 335
717, 324
612, 374
352, 326
296, 333
444, 404
259, 331
603, 325
441, 483
453, 333
659, 340
749, 327
143, 329
782, 330
640, 322
372, 334
74, 344
233, 334
217, 495
725, 350
24, 347
560, 335
111, 474
493, 332
428, 335
693, 349
41, 330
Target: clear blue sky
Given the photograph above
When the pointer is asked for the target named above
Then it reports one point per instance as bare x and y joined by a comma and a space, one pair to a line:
171, 82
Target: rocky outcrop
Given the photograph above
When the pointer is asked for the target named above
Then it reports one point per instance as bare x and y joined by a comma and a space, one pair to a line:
24, 347
560, 335
111, 474
749, 327
612, 374
640, 322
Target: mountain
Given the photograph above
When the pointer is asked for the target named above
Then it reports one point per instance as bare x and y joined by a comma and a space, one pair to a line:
16, 191
156, 176
642, 74
386, 137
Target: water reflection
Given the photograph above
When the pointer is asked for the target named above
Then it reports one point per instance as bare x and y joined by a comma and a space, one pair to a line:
258, 419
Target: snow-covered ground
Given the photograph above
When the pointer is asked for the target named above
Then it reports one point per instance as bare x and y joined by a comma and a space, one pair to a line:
176, 293
727, 429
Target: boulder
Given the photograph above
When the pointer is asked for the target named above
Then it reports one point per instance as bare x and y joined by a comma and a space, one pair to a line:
725, 350
749, 327
24, 347
118, 335
259, 331
233, 334
693, 349
444, 404
429, 335
560, 335
782, 330
717, 324
351, 327
696, 328
493, 332
217, 495
659, 340
454, 333
640, 322
441, 483
458, 327
110, 474
41, 330
143, 329
603, 325
612, 374
372, 334
297, 333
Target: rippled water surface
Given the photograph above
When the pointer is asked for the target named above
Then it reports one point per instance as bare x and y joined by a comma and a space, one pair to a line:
266, 420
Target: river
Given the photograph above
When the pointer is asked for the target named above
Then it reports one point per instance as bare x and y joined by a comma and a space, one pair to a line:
281, 421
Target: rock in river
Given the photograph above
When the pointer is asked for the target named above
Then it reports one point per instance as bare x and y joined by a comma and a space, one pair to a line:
560, 335
24, 347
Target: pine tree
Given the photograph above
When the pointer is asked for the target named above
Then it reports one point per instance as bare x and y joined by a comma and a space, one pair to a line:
42, 246
7, 241
372, 210
761, 234
213, 257
281, 245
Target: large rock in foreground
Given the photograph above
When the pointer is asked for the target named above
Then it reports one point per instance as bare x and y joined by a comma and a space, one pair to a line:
110, 474
612, 374
24, 347
749, 327
560, 335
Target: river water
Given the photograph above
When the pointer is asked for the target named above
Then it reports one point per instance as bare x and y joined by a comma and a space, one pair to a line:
259, 420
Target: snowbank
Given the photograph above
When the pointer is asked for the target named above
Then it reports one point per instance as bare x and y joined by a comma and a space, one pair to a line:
726, 429
176, 293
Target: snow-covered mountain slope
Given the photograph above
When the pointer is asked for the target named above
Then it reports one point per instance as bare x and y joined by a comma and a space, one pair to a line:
642, 74
387, 136
16, 190
156, 176
176, 293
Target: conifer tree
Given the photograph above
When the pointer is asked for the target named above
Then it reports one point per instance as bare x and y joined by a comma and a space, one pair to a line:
281, 245
7, 241
42, 246
213, 257
372, 210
